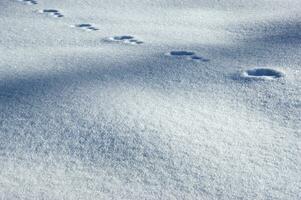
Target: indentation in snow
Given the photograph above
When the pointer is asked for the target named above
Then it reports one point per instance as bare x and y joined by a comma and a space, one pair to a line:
87, 27
182, 53
52, 12
187, 54
262, 73
30, 2
128, 39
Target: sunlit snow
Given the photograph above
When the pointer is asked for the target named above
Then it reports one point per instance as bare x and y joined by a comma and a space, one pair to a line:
150, 99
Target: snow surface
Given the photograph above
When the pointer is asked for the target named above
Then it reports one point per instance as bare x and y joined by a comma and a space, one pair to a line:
98, 99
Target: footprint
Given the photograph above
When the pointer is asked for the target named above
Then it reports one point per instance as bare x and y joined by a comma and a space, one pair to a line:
262, 73
182, 53
52, 12
188, 55
87, 27
128, 39
29, 2
200, 58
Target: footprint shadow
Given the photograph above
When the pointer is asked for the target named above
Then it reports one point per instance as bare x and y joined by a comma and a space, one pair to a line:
29, 2
52, 12
127, 39
187, 55
86, 27
262, 74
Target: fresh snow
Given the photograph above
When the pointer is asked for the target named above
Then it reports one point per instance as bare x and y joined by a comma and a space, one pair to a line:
150, 99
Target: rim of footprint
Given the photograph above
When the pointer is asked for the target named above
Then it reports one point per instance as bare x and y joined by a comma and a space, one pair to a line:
187, 55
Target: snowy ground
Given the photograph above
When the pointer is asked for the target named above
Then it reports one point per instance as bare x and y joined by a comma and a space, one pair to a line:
150, 99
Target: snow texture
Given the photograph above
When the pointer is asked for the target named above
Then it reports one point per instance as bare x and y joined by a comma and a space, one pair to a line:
140, 99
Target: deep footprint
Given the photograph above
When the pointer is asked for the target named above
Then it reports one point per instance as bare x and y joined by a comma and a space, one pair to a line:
200, 58
30, 2
182, 53
262, 73
52, 12
125, 39
87, 27
187, 54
